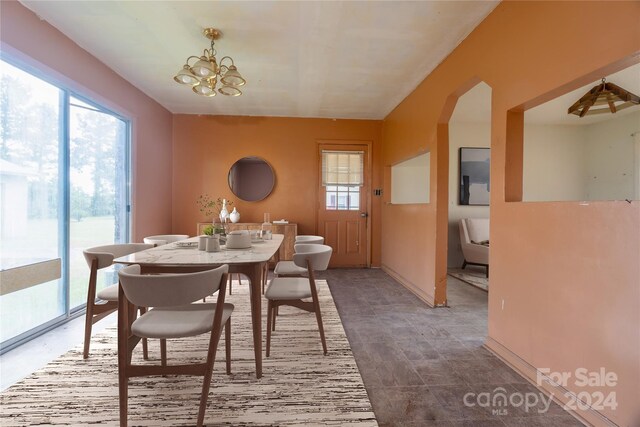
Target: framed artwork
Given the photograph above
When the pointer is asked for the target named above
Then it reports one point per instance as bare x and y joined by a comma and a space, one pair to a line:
474, 169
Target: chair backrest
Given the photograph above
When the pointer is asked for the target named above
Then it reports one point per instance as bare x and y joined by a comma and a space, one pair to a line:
163, 239
311, 240
107, 253
464, 234
319, 255
474, 230
168, 290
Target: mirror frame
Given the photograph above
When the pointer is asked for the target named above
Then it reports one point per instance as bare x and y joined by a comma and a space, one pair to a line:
273, 174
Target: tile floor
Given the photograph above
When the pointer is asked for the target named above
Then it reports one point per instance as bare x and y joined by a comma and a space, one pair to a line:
417, 363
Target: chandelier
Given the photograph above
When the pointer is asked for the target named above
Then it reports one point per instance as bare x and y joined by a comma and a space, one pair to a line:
206, 71
603, 98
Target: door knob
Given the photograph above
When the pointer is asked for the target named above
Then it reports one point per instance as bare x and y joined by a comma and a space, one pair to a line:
364, 214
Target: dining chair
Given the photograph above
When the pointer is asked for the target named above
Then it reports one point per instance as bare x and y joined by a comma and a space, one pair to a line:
292, 290
173, 316
163, 239
97, 258
289, 268
315, 240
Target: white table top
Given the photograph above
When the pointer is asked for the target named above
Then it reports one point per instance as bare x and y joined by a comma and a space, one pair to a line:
172, 255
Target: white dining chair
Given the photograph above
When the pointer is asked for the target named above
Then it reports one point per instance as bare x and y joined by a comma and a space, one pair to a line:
308, 239
293, 290
173, 316
163, 239
97, 258
289, 268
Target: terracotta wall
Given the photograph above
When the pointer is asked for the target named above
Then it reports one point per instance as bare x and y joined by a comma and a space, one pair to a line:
565, 281
36, 43
205, 147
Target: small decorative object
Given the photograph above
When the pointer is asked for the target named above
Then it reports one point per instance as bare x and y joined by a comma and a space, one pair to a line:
224, 213
213, 207
219, 229
266, 228
202, 243
234, 216
213, 243
256, 236
239, 239
208, 230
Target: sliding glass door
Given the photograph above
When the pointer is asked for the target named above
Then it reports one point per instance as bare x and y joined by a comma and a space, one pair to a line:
64, 181
98, 197
30, 181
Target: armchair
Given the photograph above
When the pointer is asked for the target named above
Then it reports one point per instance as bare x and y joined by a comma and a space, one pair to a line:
474, 239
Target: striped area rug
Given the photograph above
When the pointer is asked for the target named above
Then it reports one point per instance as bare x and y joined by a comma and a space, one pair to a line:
474, 278
300, 386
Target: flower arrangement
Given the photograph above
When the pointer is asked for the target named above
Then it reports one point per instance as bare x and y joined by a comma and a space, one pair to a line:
211, 207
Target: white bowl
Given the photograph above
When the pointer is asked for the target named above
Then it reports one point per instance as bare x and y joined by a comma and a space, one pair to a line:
238, 240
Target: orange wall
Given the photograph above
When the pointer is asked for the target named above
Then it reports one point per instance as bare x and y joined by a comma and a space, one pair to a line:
28, 39
568, 273
205, 147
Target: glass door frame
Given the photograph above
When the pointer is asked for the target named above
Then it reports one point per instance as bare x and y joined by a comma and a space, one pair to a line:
64, 199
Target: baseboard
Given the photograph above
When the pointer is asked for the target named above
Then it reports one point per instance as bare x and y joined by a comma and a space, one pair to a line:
561, 395
426, 298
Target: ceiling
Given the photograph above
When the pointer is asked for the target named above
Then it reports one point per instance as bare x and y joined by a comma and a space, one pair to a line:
475, 105
334, 59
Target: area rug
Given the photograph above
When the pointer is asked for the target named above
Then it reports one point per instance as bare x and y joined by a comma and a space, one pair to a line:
300, 386
474, 278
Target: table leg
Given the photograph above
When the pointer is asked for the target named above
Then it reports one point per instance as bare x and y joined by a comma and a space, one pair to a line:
255, 278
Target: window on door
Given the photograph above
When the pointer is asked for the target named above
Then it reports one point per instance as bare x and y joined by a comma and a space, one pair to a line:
342, 177
64, 180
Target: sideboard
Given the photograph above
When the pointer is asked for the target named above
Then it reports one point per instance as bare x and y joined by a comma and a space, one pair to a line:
290, 231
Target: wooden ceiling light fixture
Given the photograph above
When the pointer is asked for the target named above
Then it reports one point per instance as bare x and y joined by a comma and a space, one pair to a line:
613, 97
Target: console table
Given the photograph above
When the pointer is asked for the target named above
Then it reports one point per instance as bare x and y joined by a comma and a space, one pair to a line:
290, 231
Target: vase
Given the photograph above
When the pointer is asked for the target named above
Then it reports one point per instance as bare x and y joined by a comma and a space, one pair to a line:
234, 216
224, 213
266, 228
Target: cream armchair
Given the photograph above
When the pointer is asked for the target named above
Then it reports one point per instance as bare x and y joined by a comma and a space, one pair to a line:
474, 239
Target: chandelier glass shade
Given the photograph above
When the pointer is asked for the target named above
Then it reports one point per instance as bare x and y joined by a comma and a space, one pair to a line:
205, 71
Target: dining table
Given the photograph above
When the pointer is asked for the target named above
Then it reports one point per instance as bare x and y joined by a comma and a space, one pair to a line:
185, 257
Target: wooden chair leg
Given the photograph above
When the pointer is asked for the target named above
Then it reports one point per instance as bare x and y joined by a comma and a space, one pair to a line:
91, 302
145, 346
211, 357
269, 320
123, 387
163, 352
227, 344
123, 357
275, 314
88, 323
321, 328
230, 283
316, 305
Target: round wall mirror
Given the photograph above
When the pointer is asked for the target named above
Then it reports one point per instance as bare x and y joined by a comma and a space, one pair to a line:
251, 179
